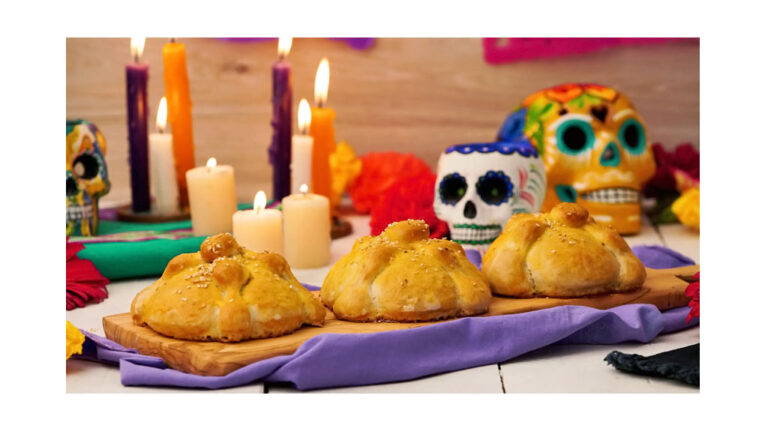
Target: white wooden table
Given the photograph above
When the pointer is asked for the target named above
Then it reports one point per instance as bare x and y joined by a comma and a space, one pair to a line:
558, 368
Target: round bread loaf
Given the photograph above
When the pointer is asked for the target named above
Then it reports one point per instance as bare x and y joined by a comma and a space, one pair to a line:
563, 253
226, 293
403, 275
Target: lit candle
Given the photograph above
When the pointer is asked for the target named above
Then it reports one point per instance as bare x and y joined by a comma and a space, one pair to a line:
161, 163
306, 229
136, 77
282, 105
179, 113
301, 153
322, 132
212, 199
259, 229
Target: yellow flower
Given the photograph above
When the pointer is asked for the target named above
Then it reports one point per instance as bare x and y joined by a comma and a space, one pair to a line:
345, 167
75, 340
686, 208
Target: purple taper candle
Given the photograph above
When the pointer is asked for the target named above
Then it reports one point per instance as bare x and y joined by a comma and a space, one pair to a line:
136, 77
282, 105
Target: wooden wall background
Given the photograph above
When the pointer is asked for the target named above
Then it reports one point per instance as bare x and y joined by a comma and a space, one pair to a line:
408, 95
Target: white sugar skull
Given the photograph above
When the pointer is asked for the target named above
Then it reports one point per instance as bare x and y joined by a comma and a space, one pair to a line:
87, 179
480, 186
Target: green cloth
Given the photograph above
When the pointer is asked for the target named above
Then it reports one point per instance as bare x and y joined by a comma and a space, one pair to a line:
109, 227
118, 260
129, 259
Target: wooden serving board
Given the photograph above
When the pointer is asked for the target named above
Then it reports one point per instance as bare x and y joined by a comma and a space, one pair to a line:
662, 288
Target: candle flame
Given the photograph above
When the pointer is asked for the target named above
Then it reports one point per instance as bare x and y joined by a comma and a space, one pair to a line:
162, 115
137, 47
259, 201
304, 189
211, 162
305, 116
284, 46
322, 79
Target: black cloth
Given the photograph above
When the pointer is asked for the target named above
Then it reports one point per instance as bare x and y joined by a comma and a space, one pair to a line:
679, 364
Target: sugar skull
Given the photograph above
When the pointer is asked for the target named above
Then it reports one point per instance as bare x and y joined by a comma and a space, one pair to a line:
594, 146
480, 186
87, 179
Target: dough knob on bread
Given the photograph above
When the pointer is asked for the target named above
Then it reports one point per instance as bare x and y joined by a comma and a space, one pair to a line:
217, 246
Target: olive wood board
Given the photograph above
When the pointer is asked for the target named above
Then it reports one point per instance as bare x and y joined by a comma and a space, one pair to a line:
662, 288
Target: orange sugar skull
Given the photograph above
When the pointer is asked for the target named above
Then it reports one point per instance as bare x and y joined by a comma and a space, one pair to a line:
594, 146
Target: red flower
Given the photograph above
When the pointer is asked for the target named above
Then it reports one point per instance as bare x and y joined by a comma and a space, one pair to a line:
84, 282
379, 172
410, 197
685, 158
692, 291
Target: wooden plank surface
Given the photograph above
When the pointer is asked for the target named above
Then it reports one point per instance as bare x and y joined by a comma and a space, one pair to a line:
581, 368
662, 288
681, 239
409, 95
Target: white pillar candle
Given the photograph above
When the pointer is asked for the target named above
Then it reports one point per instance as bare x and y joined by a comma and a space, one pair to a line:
162, 165
212, 199
306, 230
301, 161
259, 229
301, 150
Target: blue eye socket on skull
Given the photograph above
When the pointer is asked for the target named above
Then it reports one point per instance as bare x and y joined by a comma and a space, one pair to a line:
452, 188
494, 188
575, 136
632, 136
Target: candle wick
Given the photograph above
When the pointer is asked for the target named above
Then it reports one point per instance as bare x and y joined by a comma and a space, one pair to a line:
173, 40
321, 103
136, 58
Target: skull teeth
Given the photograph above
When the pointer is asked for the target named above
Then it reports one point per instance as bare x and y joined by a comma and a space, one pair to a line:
475, 234
613, 196
79, 212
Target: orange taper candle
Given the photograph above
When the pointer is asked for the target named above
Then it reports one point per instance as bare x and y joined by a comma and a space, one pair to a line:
321, 129
179, 113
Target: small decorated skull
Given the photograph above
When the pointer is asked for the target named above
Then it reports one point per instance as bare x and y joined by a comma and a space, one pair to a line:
594, 146
480, 186
87, 179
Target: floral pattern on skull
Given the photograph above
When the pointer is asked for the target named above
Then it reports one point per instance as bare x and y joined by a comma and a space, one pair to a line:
594, 146
87, 179
479, 187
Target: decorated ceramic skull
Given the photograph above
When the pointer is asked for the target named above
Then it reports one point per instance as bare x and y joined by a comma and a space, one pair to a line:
594, 146
479, 186
87, 179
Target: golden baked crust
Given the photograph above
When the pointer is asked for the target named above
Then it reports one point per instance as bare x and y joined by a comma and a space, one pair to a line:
563, 253
403, 275
226, 293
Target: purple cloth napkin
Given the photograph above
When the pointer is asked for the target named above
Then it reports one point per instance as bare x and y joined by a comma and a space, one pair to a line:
332, 360
658, 257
